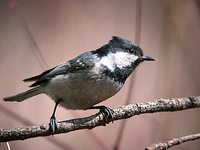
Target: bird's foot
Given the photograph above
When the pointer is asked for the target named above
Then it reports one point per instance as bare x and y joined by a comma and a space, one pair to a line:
53, 125
107, 113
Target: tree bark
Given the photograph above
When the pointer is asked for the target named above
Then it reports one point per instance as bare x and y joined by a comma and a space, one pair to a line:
124, 112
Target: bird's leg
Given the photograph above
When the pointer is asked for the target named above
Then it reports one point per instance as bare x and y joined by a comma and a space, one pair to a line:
106, 111
53, 125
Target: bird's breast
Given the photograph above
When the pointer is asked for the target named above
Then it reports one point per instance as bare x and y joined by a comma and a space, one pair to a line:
83, 89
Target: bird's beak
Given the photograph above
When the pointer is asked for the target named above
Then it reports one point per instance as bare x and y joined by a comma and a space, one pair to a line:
148, 58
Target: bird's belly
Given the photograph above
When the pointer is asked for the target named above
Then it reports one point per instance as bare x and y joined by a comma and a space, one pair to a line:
81, 90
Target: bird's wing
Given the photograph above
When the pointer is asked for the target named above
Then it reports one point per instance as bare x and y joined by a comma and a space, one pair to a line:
80, 63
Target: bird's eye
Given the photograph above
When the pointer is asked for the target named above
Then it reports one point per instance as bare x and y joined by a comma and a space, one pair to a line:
130, 50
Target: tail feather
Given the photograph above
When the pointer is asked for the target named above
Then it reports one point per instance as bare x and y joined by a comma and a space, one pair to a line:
24, 95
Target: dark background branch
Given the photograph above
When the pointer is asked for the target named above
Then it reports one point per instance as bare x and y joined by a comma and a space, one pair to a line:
159, 105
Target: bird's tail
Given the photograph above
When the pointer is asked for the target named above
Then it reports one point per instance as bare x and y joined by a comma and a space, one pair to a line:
24, 95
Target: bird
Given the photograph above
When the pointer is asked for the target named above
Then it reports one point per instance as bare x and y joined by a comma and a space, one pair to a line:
88, 79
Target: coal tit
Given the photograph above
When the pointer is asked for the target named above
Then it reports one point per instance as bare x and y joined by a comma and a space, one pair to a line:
88, 79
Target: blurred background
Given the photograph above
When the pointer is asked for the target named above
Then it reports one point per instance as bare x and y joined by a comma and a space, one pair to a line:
37, 35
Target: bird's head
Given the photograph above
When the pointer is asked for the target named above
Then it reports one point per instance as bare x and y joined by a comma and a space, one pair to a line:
123, 53
120, 57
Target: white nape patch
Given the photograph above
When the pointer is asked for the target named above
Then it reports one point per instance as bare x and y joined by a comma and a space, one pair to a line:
118, 59
108, 61
96, 69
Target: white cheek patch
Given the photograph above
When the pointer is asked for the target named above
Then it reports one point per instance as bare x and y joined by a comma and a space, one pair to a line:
118, 59
123, 59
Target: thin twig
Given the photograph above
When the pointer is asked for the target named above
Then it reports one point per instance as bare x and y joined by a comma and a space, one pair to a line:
173, 142
36, 50
159, 105
8, 145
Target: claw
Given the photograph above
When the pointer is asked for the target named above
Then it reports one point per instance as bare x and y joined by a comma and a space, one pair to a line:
106, 111
53, 125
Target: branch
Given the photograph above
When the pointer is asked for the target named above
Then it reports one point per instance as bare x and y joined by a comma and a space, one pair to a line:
173, 142
159, 105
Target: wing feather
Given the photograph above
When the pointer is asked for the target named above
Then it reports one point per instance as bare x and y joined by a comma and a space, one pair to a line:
83, 61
